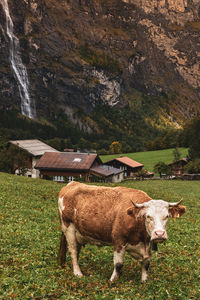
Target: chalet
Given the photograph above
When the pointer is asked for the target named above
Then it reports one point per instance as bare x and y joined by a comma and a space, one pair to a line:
128, 165
177, 167
74, 165
34, 149
58, 165
105, 173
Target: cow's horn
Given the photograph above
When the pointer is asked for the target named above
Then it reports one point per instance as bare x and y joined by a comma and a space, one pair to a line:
137, 205
175, 203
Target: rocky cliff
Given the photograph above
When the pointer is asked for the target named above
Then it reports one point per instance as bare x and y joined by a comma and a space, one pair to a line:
81, 53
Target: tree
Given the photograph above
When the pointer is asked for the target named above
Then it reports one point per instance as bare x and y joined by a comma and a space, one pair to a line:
176, 154
191, 134
193, 167
14, 158
161, 168
142, 174
115, 148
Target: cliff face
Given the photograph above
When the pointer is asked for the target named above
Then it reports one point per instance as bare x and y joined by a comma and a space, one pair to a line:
79, 53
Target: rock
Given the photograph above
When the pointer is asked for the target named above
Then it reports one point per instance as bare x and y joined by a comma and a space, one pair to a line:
82, 53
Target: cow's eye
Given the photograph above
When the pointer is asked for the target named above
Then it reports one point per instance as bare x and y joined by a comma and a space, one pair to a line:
149, 218
165, 218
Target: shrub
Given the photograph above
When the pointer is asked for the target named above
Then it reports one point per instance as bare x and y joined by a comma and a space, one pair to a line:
99, 60
193, 167
161, 168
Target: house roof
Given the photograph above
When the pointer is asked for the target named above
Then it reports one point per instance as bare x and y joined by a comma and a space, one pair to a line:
67, 161
184, 160
34, 147
127, 161
106, 170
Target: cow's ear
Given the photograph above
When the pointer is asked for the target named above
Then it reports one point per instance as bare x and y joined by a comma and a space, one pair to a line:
130, 211
177, 211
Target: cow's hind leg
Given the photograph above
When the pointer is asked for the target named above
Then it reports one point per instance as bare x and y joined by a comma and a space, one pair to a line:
73, 247
118, 260
62, 250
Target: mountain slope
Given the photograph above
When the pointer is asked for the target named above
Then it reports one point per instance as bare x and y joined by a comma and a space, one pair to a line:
81, 54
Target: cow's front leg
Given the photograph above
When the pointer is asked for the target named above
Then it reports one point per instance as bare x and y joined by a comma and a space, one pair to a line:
118, 260
145, 268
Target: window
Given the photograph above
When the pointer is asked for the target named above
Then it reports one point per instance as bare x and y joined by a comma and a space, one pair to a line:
58, 178
77, 159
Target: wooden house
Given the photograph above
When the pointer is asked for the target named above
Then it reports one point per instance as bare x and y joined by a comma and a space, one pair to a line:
34, 150
177, 167
58, 165
128, 165
75, 166
105, 173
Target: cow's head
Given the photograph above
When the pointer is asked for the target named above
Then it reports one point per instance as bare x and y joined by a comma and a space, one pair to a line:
156, 214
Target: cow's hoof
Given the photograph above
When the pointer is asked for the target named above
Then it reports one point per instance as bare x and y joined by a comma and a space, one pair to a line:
114, 278
144, 280
78, 274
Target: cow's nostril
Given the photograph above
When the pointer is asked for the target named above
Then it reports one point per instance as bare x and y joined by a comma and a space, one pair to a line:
159, 233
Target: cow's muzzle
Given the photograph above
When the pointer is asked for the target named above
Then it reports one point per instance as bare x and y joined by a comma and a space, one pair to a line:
159, 236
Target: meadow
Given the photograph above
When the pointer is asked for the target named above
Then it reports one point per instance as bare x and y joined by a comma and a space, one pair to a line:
29, 241
149, 158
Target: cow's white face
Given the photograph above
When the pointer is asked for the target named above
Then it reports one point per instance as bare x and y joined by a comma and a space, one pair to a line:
156, 215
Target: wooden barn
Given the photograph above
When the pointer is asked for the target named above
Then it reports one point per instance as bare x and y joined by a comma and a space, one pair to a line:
128, 165
34, 149
177, 167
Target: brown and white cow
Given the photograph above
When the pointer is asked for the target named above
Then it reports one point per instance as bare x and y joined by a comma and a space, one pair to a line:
126, 218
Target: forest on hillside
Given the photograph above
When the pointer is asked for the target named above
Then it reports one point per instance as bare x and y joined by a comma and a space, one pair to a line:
137, 127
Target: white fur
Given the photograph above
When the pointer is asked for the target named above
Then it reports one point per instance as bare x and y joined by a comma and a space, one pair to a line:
156, 212
72, 247
118, 258
61, 207
144, 271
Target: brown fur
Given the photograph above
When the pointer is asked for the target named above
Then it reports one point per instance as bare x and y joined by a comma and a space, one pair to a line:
101, 212
177, 211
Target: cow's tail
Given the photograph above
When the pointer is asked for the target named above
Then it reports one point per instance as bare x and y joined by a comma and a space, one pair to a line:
62, 250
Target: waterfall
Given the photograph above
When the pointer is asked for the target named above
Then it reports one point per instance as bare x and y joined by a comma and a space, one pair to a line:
19, 69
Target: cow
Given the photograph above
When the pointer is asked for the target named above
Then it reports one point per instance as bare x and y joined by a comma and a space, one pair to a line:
125, 218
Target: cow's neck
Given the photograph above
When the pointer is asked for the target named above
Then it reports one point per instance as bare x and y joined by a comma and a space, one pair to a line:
139, 234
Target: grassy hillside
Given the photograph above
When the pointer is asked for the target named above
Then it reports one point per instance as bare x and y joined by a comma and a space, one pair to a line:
29, 238
149, 158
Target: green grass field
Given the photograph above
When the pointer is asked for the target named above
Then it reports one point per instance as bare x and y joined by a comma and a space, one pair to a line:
149, 158
29, 241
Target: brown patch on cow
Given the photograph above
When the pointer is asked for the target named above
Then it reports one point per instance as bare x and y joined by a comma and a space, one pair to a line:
177, 211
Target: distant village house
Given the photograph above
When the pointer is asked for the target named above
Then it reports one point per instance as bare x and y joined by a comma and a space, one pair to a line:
105, 173
34, 149
177, 167
67, 164
128, 165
